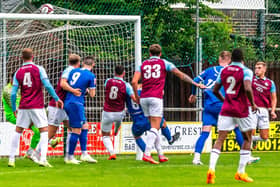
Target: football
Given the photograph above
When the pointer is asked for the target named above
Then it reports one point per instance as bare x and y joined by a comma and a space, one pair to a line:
46, 9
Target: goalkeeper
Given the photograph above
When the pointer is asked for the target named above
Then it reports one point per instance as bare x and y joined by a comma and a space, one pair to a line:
10, 117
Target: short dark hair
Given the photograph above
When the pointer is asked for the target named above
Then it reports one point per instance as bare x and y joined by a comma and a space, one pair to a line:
27, 54
155, 49
237, 55
74, 59
89, 60
119, 69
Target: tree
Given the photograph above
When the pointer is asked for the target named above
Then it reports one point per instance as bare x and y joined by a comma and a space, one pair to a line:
173, 29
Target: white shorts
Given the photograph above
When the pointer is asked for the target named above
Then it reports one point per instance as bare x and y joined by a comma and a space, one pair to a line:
152, 106
260, 119
108, 118
37, 117
226, 123
56, 116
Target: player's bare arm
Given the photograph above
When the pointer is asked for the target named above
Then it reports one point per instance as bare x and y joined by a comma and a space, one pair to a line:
216, 91
249, 93
64, 84
92, 92
192, 99
59, 104
186, 78
273, 105
134, 83
133, 98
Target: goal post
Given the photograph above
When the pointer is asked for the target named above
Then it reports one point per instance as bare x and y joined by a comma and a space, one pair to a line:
101, 18
111, 39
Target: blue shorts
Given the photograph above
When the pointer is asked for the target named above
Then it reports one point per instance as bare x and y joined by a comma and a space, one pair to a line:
141, 124
76, 114
210, 114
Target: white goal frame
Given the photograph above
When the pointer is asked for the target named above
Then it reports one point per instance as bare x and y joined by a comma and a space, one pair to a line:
63, 17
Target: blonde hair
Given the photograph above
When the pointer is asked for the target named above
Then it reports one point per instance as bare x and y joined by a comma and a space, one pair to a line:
74, 59
261, 63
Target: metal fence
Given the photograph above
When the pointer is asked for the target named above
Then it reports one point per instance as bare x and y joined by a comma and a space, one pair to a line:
253, 25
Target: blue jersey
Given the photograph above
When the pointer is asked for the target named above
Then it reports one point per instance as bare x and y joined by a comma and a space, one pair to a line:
80, 78
133, 108
209, 77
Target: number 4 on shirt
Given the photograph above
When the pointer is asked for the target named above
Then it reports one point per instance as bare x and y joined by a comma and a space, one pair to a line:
27, 80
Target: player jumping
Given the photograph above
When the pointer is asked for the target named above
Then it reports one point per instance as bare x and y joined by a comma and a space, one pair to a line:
83, 79
113, 112
153, 73
141, 124
212, 105
30, 78
237, 82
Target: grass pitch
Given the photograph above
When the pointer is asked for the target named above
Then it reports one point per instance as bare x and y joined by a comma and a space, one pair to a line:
126, 171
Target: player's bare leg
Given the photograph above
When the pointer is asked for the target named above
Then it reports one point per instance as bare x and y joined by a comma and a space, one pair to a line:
245, 154
14, 146
52, 132
264, 134
214, 156
117, 127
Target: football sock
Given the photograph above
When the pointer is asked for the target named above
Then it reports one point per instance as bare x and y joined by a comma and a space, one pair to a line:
201, 141
108, 144
238, 136
73, 143
35, 138
214, 156
50, 141
29, 151
158, 144
44, 145
14, 145
166, 133
141, 144
83, 140
151, 137
196, 156
244, 158
67, 144
38, 148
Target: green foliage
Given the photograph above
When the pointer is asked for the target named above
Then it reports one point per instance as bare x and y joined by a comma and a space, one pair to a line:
272, 48
173, 29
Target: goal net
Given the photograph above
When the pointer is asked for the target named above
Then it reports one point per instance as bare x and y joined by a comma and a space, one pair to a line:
110, 39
